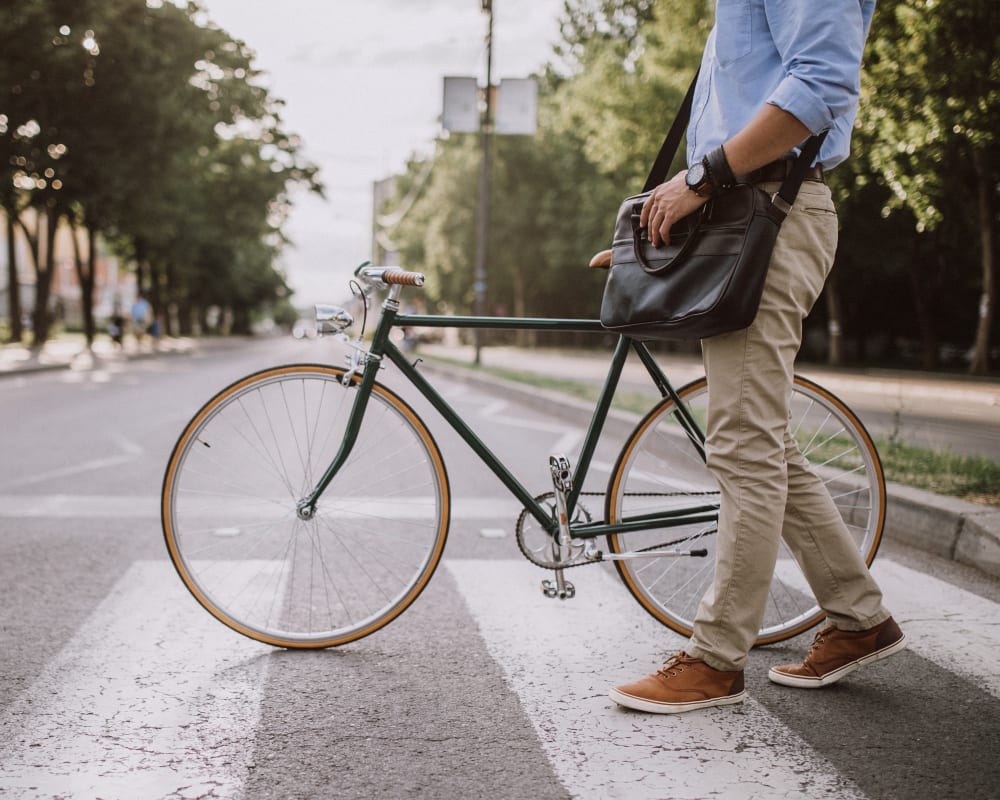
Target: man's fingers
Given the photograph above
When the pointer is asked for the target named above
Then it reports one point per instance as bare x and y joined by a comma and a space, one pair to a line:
659, 229
664, 234
644, 215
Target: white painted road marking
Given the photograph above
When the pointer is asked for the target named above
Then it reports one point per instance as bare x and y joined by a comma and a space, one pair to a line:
62, 506
562, 657
151, 698
123, 713
955, 629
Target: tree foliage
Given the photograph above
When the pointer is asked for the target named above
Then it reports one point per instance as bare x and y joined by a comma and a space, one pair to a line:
931, 119
142, 123
917, 199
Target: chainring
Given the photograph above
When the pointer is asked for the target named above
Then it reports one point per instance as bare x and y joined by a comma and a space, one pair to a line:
539, 547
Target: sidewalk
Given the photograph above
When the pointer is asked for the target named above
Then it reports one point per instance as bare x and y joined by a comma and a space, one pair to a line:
72, 353
888, 391
954, 529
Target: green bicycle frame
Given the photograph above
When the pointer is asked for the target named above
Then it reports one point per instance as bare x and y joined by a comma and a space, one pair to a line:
382, 347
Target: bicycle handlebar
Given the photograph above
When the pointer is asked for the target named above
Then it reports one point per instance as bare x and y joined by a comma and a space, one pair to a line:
389, 276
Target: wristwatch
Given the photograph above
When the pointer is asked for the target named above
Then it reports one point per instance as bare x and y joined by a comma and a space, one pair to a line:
699, 179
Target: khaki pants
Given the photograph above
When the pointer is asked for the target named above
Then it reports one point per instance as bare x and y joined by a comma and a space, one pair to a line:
767, 488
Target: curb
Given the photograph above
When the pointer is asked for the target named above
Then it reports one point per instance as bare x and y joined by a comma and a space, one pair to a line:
954, 529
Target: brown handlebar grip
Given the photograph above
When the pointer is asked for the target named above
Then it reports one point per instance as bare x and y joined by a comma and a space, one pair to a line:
403, 277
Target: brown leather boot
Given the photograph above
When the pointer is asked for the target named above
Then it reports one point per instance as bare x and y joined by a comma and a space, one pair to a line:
835, 653
682, 684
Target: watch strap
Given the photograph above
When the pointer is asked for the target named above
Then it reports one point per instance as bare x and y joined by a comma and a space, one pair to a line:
719, 170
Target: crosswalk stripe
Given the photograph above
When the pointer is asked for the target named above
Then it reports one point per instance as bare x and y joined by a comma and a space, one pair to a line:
561, 658
956, 629
151, 698
61, 506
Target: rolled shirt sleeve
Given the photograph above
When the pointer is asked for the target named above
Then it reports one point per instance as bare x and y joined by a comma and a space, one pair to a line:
820, 46
803, 56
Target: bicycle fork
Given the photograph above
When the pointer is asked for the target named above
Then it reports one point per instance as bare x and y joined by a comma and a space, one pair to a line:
562, 483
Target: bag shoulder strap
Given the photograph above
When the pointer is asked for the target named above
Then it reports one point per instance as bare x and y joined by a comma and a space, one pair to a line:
781, 203
658, 172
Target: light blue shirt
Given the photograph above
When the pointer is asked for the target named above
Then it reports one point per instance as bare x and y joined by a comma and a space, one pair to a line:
803, 56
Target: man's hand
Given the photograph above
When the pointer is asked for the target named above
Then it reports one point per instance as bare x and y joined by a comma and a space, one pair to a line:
669, 203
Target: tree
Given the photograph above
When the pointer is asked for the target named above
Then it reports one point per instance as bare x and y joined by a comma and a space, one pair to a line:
932, 114
39, 67
555, 194
120, 118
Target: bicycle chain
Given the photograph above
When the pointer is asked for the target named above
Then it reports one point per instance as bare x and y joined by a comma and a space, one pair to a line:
519, 527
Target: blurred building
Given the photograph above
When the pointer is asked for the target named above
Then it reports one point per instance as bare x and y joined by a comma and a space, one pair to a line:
112, 283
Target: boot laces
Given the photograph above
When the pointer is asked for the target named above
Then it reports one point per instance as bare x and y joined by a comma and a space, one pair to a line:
818, 640
675, 665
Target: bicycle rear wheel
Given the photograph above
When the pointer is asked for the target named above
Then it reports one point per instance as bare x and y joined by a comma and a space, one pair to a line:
229, 508
660, 469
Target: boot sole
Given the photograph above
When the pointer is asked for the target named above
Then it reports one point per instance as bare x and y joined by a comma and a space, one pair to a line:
653, 707
802, 682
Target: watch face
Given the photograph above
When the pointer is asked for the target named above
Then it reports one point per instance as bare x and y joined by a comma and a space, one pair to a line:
696, 174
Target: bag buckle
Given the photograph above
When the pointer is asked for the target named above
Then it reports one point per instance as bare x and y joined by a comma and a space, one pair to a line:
781, 204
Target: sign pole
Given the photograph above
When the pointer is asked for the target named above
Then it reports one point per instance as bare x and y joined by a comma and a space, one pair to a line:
483, 218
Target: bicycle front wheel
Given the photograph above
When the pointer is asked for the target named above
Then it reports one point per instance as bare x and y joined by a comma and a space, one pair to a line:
659, 470
231, 522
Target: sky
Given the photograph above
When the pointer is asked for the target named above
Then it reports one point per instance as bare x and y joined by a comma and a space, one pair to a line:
362, 82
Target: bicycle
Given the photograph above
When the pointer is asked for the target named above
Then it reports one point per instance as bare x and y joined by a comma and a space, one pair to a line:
308, 505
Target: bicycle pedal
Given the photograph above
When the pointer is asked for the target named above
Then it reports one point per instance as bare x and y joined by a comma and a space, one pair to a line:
562, 474
552, 590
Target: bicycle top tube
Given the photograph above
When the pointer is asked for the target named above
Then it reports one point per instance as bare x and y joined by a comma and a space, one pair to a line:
502, 323
394, 278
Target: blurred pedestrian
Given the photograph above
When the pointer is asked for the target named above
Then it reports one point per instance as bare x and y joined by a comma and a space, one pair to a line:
116, 326
142, 313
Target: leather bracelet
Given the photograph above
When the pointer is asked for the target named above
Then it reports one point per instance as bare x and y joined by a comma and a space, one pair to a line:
718, 168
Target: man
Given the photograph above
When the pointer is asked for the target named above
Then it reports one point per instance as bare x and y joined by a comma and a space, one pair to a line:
772, 74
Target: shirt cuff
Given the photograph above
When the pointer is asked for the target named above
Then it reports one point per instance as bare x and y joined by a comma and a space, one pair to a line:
793, 96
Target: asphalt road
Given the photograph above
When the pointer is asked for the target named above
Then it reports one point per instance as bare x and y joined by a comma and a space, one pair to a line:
116, 684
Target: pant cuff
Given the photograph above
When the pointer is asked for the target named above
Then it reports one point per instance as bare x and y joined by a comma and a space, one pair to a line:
709, 658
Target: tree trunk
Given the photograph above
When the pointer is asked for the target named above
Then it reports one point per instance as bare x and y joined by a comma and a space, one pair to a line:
240, 321
156, 299
85, 275
44, 264
984, 196
928, 336
169, 305
43, 318
13, 285
519, 291
185, 317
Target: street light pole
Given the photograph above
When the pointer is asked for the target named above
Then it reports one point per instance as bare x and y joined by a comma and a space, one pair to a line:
483, 218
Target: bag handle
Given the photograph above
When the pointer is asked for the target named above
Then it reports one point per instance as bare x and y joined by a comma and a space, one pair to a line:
781, 203
639, 250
